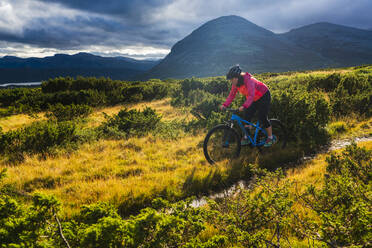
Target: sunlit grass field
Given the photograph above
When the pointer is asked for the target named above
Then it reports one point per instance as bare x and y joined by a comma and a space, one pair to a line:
18, 121
128, 173
116, 171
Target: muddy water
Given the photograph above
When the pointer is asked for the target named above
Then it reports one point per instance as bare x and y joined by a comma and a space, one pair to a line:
336, 144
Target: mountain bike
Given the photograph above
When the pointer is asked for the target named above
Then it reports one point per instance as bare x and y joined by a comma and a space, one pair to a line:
224, 141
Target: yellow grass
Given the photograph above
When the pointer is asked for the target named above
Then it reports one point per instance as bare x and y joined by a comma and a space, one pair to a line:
109, 170
312, 172
113, 171
162, 107
18, 121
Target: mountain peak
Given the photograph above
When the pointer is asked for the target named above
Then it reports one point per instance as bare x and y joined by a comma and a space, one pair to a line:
224, 31
233, 23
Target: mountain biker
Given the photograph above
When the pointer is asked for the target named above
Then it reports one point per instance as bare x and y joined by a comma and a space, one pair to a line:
257, 98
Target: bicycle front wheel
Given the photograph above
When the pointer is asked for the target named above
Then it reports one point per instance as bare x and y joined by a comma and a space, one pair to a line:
221, 143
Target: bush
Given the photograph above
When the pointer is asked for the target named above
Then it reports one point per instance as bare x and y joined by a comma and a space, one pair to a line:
8, 111
327, 83
304, 114
69, 112
128, 122
343, 203
82, 91
28, 225
38, 138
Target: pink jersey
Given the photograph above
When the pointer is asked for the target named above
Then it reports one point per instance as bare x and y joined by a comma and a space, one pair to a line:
252, 89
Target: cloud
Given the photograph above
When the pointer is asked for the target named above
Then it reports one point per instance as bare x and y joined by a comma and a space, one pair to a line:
153, 25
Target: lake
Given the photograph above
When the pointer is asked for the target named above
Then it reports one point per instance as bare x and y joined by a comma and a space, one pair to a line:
17, 85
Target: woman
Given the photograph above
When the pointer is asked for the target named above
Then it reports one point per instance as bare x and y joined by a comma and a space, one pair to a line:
257, 98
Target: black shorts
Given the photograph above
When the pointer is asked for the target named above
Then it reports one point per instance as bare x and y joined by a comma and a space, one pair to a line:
263, 107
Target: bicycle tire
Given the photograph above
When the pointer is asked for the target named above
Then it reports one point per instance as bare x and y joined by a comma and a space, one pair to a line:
221, 142
280, 132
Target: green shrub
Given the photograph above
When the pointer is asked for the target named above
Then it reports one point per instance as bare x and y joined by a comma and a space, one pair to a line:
304, 115
10, 111
82, 91
27, 226
327, 83
128, 122
343, 204
69, 112
38, 138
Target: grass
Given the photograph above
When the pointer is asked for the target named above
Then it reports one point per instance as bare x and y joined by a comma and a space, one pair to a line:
349, 127
162, 107
312, 171
18, 121
130, 173
115, 171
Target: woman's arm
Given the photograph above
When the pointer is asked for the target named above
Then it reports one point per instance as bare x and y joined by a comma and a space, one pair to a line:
231, 96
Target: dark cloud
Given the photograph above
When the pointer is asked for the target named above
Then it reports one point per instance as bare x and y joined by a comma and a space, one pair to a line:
133, 11
158, 23
67, 34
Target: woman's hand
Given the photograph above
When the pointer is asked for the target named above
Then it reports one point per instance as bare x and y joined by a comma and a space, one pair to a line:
241, 109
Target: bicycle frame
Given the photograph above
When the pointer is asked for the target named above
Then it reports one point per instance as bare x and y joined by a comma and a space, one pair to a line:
240, 122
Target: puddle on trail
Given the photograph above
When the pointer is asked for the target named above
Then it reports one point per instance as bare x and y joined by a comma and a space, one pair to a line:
336, 144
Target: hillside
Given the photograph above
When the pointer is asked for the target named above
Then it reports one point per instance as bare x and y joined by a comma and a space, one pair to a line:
14, 69
344, 46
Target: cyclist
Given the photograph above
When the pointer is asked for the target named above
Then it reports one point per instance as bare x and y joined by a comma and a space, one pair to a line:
257, 98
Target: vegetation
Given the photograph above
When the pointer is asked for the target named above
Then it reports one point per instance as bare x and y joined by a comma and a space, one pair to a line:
265, 215
69, 112
108, 171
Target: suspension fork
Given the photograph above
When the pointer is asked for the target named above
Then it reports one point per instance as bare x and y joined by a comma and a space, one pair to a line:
227, 135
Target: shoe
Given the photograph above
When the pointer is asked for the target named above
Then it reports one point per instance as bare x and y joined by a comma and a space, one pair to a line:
269, 142
245, 142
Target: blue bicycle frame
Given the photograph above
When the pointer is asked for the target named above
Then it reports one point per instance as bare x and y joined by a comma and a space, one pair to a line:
240, 122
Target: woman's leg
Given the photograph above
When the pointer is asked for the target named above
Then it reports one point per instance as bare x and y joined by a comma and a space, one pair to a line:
249, 112
263, 112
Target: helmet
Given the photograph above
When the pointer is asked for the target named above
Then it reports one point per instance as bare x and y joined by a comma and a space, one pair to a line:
233, 72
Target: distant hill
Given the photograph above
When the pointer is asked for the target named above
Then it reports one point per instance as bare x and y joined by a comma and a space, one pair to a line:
14, 69
220, 43
345, 46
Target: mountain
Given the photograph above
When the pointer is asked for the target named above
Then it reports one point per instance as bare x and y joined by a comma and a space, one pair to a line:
14, 69
218, 44
345, 46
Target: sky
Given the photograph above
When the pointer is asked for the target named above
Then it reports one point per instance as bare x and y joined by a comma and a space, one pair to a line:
147, 29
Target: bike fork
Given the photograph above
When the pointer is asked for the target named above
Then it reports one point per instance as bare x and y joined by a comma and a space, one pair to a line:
226, 136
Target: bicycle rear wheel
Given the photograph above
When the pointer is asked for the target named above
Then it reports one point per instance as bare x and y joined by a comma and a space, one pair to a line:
279, 132
221, 143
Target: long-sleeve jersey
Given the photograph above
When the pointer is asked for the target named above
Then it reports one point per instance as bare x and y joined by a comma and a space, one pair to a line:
252, 89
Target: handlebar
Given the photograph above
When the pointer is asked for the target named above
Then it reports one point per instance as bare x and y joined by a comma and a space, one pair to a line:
234, 111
